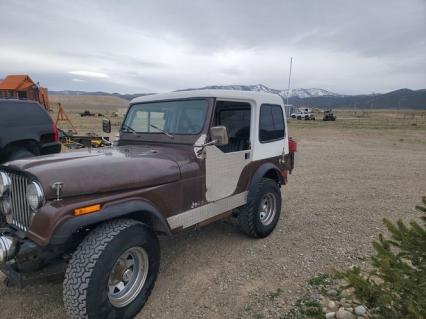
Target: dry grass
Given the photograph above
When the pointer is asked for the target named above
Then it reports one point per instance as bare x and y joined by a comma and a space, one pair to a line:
74, 105
88, 102
370, 119
346, 119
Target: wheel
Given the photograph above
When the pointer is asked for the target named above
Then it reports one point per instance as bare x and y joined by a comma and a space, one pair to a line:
112, 272
258, 218
19, 153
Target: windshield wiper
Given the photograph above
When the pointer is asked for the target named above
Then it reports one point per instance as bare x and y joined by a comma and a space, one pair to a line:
128, 128
161, 130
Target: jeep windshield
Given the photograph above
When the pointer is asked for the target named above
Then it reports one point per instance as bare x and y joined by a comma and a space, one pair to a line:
180, 117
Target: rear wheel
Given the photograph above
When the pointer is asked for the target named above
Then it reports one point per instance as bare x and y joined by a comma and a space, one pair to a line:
259, 218
112, 272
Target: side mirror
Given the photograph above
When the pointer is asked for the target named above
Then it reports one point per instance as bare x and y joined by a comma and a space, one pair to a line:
219, 134
106, 126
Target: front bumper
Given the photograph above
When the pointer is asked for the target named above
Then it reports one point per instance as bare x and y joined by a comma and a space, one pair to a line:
23, 261
21, 279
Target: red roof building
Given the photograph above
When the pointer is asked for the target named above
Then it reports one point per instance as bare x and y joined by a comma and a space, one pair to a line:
22, 87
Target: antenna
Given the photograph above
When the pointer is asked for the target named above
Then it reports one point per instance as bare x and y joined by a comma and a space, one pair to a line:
289, 78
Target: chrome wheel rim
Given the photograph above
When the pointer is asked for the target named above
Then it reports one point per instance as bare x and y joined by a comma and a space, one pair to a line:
267, 209
127, 277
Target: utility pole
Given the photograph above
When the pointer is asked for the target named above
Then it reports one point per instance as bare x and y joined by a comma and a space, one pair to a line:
289, 78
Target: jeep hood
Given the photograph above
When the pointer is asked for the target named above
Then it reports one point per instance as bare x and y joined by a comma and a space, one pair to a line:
102, 170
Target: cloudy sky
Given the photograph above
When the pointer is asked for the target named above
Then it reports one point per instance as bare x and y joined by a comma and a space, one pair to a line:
133, 46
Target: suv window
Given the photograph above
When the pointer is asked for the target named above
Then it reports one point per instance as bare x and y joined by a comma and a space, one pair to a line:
271, 123
22, 114
236, 117
174, 117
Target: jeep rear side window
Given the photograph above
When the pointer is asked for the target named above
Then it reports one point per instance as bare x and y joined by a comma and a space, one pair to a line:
271, 123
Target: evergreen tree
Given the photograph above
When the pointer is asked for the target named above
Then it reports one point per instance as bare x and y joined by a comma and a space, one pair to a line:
395, 288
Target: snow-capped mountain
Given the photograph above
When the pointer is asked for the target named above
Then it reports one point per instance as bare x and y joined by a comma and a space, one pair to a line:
300, 93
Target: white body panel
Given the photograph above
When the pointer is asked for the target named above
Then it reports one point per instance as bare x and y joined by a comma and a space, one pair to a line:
269, 149
223, 170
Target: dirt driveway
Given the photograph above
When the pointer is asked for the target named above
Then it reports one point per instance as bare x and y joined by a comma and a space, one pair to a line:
345, 182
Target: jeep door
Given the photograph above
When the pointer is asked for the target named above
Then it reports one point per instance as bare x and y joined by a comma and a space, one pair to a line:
224, 164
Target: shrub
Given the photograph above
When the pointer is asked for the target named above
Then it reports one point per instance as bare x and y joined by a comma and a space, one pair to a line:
396, 286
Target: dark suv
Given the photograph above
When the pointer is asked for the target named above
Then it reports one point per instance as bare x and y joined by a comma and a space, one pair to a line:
26, 130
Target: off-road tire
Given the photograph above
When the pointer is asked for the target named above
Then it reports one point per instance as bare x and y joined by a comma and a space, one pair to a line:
249, 215
85, 290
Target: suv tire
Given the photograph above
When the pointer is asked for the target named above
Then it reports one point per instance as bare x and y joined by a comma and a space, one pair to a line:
259, 218
112, 272
19, 153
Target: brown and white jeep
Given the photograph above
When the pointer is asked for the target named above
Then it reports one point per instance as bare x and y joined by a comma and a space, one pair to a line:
182, 159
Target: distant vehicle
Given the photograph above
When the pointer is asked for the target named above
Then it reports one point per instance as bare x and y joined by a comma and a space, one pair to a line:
26, 130
303, 115
329, 116
87, 113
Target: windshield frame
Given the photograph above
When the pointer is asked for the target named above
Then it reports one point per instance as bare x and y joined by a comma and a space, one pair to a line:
159, 137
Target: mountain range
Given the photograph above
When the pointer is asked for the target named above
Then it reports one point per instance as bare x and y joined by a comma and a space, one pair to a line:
313, 97
299, 93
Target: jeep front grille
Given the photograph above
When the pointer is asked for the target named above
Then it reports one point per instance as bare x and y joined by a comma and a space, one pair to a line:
21, 211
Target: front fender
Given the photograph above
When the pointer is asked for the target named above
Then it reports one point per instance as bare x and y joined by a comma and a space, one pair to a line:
135, 209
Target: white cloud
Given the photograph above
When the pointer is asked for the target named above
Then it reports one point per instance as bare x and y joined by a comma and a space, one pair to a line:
89, 74
78, 80
166, 45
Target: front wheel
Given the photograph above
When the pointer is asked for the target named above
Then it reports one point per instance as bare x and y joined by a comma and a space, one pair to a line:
112, 272
258, 218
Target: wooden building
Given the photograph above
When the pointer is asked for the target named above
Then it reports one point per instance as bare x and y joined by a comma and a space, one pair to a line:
22, 87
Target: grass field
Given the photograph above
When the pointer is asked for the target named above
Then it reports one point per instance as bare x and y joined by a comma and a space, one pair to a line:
413, 120
370, 119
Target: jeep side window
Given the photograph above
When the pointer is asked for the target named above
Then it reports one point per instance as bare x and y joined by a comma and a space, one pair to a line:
236, 117
271, 123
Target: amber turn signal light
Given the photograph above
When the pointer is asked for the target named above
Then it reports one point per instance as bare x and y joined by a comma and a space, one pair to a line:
87, 210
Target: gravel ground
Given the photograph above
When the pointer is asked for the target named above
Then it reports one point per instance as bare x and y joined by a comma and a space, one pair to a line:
345, 182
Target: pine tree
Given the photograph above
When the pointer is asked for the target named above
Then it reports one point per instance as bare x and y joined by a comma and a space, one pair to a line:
395, 288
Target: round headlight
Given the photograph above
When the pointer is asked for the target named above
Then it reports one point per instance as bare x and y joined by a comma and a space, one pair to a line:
35, 195
5, 183
6, 205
